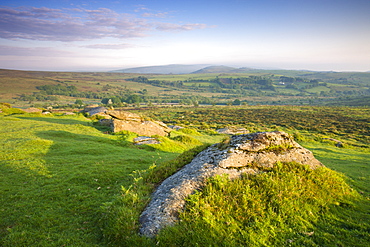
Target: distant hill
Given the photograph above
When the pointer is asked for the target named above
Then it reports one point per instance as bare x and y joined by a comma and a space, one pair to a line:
215, 69
221, 69
164, 69
183, 69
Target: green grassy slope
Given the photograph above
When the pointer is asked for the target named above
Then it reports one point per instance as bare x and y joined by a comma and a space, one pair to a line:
65, 182
56, 172
344, 224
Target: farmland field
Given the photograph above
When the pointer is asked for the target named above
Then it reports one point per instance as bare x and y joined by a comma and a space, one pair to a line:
62, 89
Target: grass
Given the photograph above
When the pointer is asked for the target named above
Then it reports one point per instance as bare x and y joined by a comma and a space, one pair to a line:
288, 206
122, 214
275, 208
64, 182
349, 226
56, 173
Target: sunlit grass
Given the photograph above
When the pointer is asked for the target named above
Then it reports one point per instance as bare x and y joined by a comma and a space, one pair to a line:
63, 182
56, 173
276, 208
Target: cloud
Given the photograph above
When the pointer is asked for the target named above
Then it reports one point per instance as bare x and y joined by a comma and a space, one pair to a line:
156, 15
33, 51
66, 25
109, 46
177, 27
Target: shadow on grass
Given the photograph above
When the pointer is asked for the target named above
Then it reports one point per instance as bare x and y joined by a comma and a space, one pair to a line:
78, 141
86, 172
68, 121
348, 225
56, 120
84, 150
325, 150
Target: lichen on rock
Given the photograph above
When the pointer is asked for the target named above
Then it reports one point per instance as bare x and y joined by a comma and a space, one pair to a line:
123, 120
248, 153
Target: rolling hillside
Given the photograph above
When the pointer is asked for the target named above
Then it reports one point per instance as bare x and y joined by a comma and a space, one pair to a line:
164, 69
210, 85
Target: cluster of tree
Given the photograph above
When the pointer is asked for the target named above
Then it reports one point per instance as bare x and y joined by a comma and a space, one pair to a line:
247, 83
249, 86
58, 89
169, 99
291, 79
49, 92
128, 98
215, 85
158, 83
315, 84
67, 90
38, 96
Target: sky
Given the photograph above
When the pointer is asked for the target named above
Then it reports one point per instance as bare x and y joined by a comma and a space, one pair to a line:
95, 35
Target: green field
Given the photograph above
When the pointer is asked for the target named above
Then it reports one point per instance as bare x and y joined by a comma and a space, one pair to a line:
56, 173
65, 181
272, 87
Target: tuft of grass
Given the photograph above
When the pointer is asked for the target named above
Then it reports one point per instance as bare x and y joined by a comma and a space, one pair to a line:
168, 168
275, 208
224, 143
168, 145
277, 148
126, 138
188, 140
121, 215
190, 131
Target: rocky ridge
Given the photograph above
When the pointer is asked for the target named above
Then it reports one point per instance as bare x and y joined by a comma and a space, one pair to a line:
248, 153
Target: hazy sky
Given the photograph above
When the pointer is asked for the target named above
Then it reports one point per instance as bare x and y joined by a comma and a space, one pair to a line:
108, 34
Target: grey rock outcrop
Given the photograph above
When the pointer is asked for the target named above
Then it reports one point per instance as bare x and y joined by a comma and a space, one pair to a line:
33, 110
232, 130
95, 110
175, 127
141, 140
69, 113
125, 116
338, 143
105, 122
249, 153
123, 120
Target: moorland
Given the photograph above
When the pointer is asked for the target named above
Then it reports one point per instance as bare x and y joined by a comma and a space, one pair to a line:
210, 86
67, 181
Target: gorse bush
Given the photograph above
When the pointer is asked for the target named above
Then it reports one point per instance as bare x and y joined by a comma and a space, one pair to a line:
187, 140
190, 131
7, 110
270, 209
126, 135
4, 105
